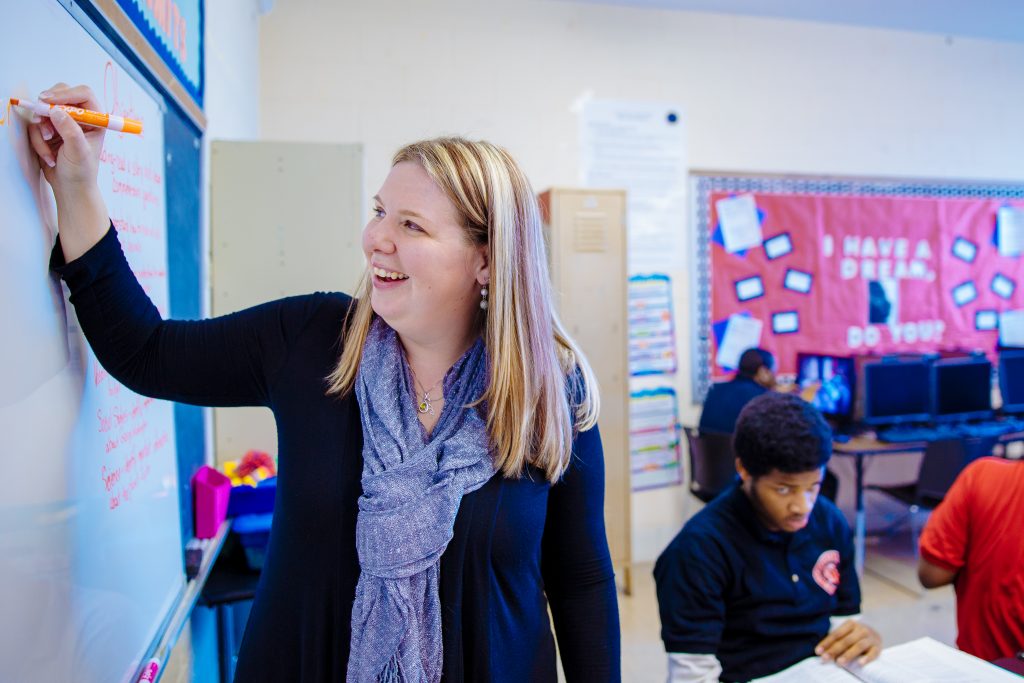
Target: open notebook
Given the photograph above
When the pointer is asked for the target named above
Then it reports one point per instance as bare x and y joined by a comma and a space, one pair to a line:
920, 661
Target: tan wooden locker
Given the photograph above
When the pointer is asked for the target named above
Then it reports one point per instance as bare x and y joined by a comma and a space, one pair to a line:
586, 233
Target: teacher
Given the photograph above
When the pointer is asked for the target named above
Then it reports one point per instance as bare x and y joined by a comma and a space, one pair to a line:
441, 477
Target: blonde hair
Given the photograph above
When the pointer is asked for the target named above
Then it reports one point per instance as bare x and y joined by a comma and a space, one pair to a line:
540, 389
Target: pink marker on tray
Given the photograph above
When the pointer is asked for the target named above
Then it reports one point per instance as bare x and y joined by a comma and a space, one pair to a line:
150, 671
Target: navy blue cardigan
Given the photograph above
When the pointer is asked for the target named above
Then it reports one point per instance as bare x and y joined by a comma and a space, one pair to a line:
518, 544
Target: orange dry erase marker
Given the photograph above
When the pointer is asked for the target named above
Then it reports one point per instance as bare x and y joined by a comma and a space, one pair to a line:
86, 116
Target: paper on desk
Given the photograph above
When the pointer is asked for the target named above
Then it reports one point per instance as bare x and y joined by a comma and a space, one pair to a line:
812, 669
925, 661
741, 228
741, 333
920, 661
1010, 230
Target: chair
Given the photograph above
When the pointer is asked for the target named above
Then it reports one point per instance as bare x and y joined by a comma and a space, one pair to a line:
943, 461
712, 463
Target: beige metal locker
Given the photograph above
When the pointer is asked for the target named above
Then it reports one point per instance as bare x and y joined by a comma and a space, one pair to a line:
586, 232
285, 219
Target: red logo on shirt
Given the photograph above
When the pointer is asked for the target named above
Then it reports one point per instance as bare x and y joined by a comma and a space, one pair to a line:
826, 571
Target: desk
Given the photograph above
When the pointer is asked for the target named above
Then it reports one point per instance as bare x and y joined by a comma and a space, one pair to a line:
867, 444
858, 448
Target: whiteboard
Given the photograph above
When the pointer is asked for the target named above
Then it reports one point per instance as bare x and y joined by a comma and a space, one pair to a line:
90, 542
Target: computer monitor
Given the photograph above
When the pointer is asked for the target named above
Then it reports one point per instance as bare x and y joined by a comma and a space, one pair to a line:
827, 383
961, 389
897, 391
1011, 380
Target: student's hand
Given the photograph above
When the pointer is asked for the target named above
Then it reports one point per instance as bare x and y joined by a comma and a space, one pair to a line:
851, 641
69, 155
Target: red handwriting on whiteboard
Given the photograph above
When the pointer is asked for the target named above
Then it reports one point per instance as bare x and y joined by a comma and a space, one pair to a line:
111, 96
144, 273
115, 161
119, 415
147, 173
98, 373
121, 482
125, 227
121, 187
110, 479
160, 442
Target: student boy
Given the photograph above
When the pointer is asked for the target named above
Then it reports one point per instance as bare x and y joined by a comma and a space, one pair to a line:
761, 577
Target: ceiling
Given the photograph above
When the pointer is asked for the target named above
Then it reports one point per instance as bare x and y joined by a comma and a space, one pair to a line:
986, 19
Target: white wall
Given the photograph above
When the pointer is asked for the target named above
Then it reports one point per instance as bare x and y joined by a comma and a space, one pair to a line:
232, 69
232, 105
759, 95
232, 88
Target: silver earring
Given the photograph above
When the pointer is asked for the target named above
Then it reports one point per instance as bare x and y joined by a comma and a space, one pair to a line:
483, 298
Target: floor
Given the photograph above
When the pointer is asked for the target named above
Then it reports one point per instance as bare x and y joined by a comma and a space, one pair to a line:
893, 603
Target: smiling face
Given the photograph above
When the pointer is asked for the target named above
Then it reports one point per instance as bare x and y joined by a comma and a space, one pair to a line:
782, 501
427, 276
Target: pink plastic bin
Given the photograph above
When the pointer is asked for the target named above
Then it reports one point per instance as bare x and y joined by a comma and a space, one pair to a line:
211, 491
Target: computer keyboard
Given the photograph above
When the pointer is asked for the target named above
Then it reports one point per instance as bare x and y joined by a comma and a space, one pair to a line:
1015, 424
974, 430
984, 430
909, 434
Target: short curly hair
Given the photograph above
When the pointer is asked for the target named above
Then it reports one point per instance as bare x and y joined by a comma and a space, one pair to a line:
781, 432
753, 360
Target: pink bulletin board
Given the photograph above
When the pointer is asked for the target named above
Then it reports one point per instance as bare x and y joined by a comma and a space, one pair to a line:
850, 266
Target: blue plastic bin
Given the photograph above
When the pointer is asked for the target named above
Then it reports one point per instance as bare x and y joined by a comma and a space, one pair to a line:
254, 532
248, 500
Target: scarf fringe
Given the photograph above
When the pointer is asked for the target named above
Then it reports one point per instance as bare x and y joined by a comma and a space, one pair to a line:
392, 672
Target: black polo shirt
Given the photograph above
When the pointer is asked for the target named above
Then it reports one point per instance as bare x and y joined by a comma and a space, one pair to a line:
758, 600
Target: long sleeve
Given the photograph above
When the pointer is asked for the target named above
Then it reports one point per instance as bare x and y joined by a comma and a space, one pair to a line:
227, 361
577, 568
848, 593
691, 579
684, 668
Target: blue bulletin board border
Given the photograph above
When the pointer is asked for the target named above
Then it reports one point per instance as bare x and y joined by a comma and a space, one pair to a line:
194, 85
116, 26
704, 183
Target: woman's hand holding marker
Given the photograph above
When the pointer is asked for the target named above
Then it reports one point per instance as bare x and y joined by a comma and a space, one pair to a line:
69, 156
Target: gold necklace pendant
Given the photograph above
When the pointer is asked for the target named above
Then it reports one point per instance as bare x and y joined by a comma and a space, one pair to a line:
423, 405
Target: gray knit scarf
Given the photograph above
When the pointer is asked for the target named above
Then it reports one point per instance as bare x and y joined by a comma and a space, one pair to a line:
412, 488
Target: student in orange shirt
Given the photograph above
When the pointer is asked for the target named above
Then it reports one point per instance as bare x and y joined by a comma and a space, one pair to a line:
975, 540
